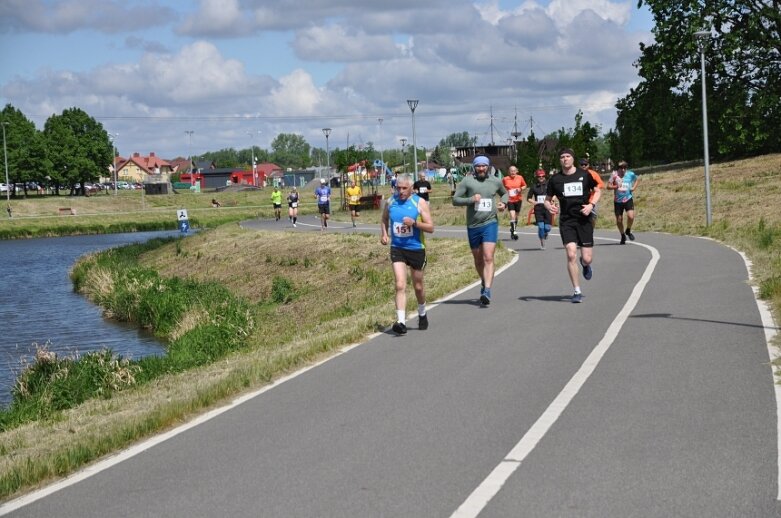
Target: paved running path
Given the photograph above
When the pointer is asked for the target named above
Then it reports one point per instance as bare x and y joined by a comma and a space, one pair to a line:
492, 412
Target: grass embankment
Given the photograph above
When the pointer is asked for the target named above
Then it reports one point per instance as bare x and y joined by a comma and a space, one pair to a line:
131, 211
304, 295
351, 271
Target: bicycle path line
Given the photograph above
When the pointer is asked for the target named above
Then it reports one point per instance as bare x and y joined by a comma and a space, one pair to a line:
484, 493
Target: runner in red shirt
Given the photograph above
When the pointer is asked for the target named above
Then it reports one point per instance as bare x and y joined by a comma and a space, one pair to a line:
515, 184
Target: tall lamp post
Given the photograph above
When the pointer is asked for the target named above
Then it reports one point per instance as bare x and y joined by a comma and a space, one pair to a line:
113, 138
381, 157
403, 154
327, 133
703, 38
413, 103
7, 183
254, 165
189, 134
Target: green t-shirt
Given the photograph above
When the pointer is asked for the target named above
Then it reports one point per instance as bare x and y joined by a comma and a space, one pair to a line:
484, 212
276, 197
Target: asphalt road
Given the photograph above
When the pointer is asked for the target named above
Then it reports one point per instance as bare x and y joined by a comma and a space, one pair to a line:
653, 398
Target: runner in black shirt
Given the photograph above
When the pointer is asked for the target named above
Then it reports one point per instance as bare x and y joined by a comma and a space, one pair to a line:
573, 187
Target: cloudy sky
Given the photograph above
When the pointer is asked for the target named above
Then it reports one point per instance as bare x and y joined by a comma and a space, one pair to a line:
238, 72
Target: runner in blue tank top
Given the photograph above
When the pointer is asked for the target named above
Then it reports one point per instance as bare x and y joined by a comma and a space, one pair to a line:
404, 218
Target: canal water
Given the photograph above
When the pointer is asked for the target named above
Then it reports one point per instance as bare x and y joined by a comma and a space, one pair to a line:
38, 306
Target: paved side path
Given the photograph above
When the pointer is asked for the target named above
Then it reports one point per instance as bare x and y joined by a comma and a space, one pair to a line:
678, 417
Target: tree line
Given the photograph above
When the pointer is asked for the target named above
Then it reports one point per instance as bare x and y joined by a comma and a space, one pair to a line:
660, 120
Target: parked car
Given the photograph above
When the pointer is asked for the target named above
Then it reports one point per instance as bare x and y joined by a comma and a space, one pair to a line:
4, 187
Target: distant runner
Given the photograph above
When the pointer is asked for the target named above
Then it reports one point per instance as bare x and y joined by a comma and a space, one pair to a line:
353, 193
515, 184
624, 183
323, 197
292, 205
542, 217
276, 200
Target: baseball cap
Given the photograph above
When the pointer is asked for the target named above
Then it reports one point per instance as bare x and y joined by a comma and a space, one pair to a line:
322, 180
583, 161
539, 172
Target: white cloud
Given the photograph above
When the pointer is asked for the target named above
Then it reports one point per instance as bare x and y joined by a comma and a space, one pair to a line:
216, 17
70, 15
296, 94
334, 43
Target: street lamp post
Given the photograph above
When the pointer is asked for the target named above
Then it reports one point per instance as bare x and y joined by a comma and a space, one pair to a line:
413, 103
189, 134
7, 183
381, 157
113, 138
254, 165
403, 154
327, 133
703, 37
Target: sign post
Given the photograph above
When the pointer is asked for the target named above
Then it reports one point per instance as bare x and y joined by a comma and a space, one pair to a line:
184, 222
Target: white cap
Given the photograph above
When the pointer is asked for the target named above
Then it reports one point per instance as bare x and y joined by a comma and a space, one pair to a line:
322, 180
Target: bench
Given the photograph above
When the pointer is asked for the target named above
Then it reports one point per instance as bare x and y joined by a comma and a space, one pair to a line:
66, 211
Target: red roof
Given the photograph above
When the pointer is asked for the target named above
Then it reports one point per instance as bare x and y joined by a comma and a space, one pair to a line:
150, 164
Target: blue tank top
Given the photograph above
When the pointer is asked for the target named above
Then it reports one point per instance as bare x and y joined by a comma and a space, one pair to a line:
402, 236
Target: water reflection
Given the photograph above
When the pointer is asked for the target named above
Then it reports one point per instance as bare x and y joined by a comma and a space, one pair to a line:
38, 304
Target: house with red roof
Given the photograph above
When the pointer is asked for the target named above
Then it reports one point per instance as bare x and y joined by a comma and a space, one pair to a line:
139, 168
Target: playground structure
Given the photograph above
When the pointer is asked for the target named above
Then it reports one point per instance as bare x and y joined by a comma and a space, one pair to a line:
369, 178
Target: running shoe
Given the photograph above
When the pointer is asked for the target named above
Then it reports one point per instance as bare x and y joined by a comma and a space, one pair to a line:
577, 298
485, 299
587, 271
422, 322
399, 328
623, 239
630, 235
294, 225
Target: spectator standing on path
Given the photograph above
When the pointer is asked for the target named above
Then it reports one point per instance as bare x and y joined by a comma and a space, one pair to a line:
584, 164
323, 197
276, 201
292, 205
515, 184
573, 187
422, 186
542, 217
354, 200
624, 182
404, 218
477, 193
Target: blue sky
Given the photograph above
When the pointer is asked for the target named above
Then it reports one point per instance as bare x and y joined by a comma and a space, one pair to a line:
238, 72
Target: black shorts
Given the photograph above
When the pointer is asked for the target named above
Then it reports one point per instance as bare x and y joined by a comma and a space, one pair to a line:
277, 205
324, 208
355, 208
577, 230
542, 216
514, 205
619, 207
415, 259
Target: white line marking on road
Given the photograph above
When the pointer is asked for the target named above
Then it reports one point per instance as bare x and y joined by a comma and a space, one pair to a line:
771, 330
482, 495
